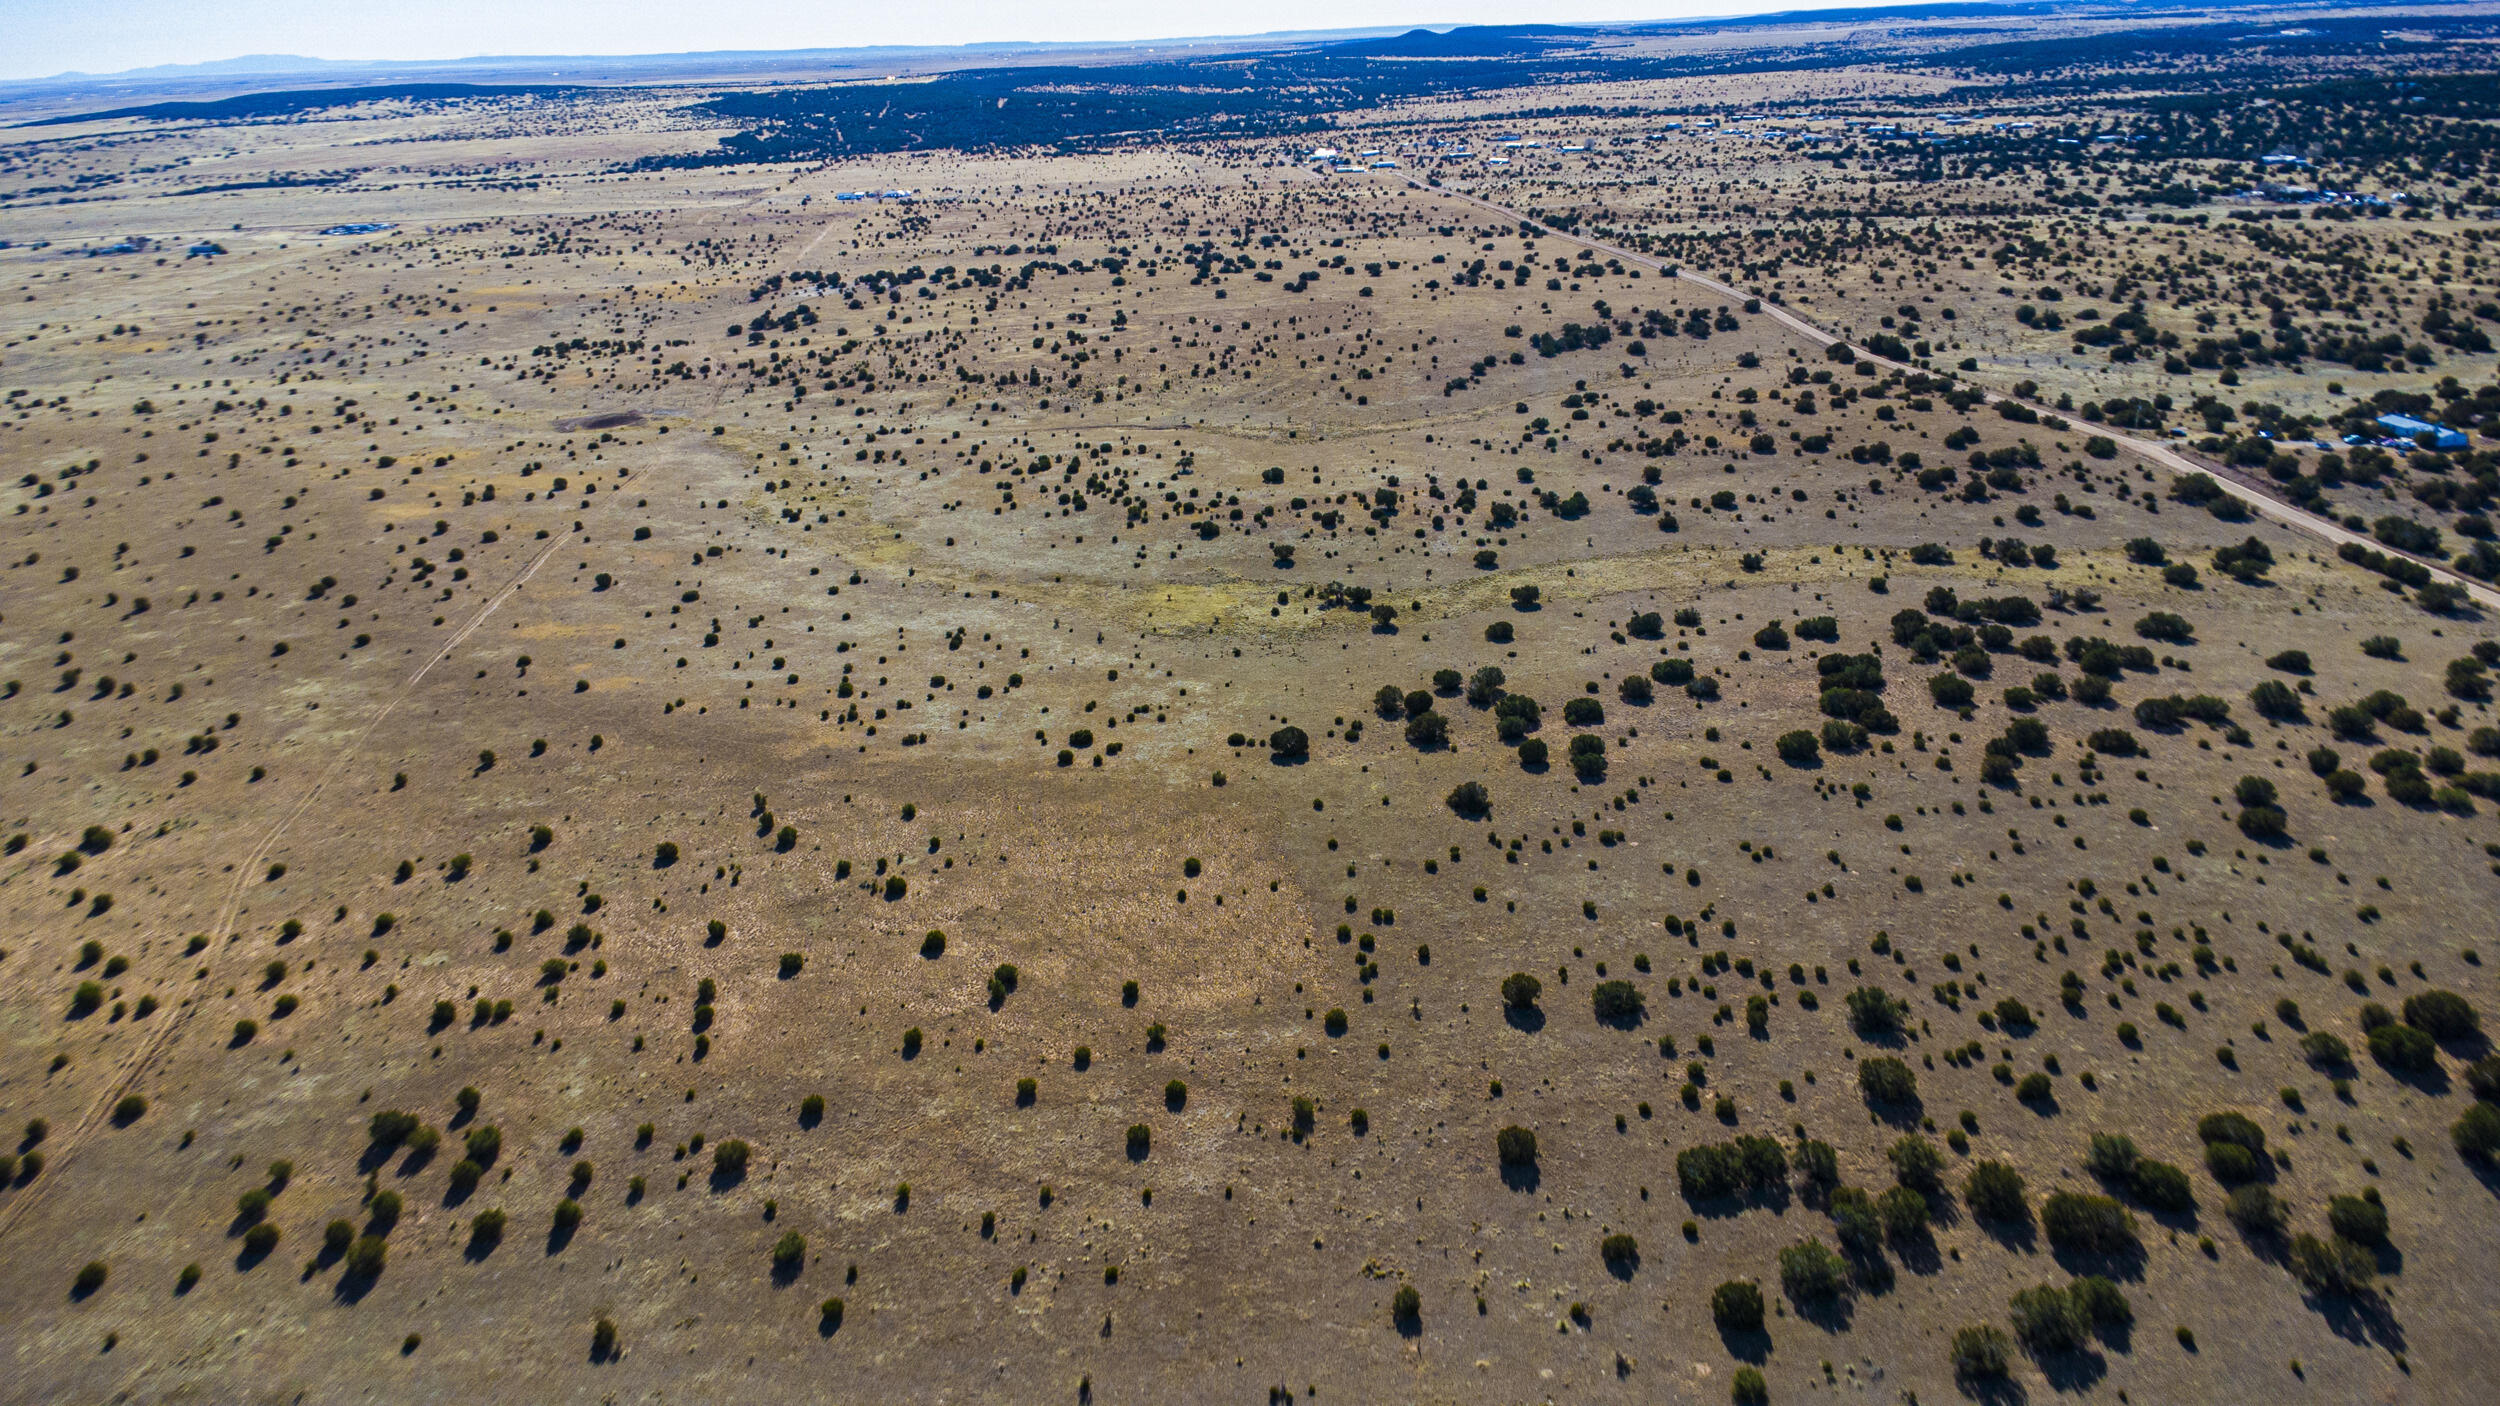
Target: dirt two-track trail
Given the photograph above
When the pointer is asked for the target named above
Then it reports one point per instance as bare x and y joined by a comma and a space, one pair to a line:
138, 1062
2151, 451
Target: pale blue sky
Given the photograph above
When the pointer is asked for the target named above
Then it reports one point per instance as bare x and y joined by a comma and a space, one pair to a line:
46, 37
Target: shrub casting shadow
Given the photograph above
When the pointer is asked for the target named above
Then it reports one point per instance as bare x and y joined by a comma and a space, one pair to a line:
2360, 1318
1832, 1315
1746, 1344
353, 1286
2076, 1369
1992, 1391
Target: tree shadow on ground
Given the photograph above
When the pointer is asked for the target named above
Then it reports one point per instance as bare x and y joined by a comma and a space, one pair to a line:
2359, 1318
1751, 1345
2076, 1369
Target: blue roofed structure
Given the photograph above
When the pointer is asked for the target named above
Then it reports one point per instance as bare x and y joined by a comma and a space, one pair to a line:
2412, 428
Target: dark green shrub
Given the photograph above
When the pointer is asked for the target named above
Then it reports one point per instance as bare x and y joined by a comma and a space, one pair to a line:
1516, 1146
2161, 1186
2111, 1157
1903, 1212
1818, 1166
729, 1159
1406, 1306
2477, 1133
367, 1256
91, 1277
1736, 1306
1811, 1273
1882, 1079
2444, 1015
2255, 1209
1616, 1000
789, 1252
1981, 1352
2232, 1164
390, 1127
602, 1340
260, 1240
1994, 1191
1619, 1250
1709, 1170
1798, 748
2331, 1266
2358, 1219
1873, 1013
568, 1216
2404, 1047
1520, 990
2078, 1222
2045, 1320
2099, 1302
1747, 1388
486, 1230
1916, 1163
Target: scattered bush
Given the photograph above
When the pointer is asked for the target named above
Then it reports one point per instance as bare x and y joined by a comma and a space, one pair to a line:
2080, 1223
2162, 1186
1981, 1352
1994, 1191
789, 1252
1873, 1013
2045, 1320
2331, 1266
2358, 1219
2444, 1015
1882, 1079
2477, 1134
1516, 1146
2255, 1209
1736, 1306
1811, 1273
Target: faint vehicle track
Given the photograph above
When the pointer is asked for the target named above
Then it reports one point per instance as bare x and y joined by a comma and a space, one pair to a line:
2237, 485
137, 1064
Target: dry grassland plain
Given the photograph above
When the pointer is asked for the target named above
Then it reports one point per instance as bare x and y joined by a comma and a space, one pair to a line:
650, 783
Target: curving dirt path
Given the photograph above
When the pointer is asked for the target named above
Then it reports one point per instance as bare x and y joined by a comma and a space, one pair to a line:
2259, 498
135, 1066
